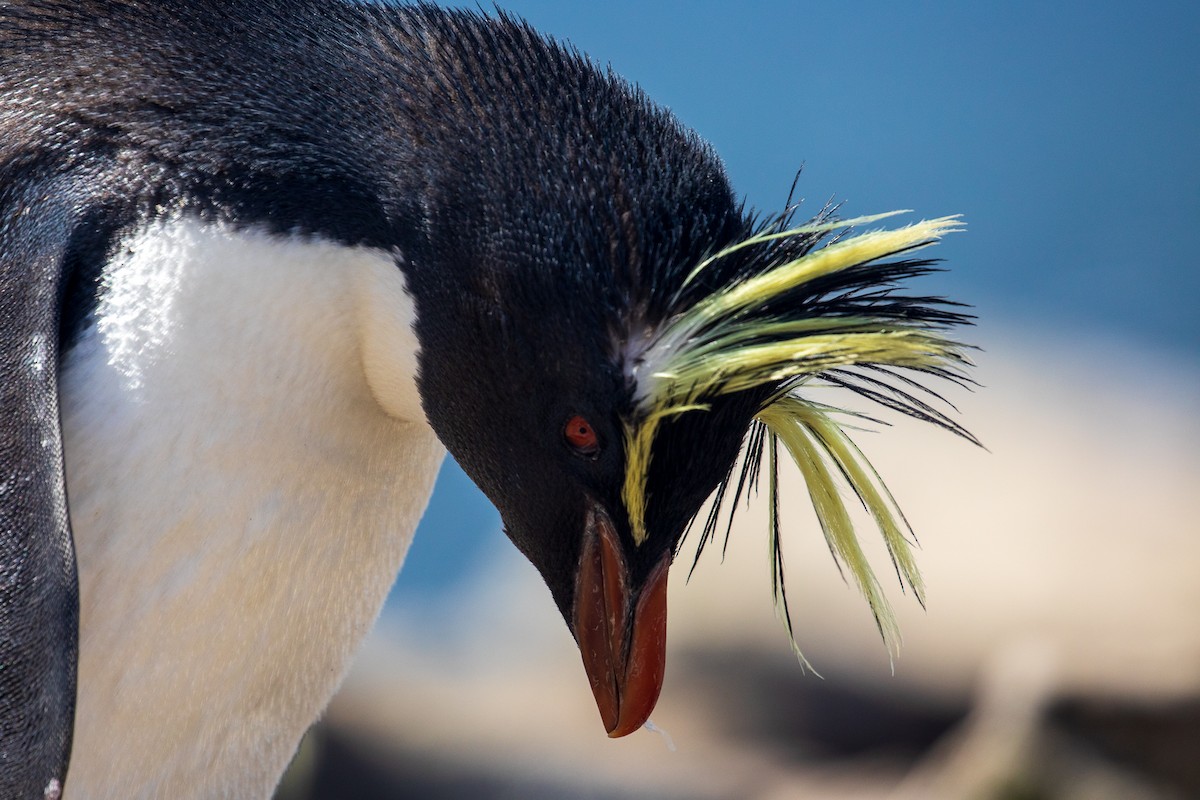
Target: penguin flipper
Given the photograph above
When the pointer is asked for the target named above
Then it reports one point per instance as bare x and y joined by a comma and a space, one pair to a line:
39, 596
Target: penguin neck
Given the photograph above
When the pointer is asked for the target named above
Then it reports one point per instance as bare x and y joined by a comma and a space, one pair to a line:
243, 434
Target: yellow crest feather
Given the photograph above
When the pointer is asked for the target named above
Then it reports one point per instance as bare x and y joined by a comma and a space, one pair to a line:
733, 340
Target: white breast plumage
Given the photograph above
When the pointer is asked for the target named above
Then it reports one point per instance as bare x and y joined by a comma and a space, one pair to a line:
246, 462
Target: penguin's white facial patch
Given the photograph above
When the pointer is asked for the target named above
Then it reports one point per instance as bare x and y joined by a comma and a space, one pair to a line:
632, 351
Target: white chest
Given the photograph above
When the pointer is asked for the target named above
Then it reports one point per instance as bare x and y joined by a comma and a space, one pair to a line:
246, 462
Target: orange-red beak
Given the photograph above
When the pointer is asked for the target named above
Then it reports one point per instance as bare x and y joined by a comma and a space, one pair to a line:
622, 638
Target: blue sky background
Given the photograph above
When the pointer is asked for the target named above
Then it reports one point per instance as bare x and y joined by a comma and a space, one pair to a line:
1067, 134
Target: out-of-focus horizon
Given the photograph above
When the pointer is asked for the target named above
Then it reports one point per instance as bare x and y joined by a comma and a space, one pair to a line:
1058, 657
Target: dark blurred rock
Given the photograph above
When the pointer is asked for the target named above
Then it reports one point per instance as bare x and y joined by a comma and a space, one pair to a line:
769, 701
1158, 740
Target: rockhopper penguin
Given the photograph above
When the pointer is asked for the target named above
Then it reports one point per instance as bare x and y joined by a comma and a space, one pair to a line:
262, 262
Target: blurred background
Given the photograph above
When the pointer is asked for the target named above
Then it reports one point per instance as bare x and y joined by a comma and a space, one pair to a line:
1060, 653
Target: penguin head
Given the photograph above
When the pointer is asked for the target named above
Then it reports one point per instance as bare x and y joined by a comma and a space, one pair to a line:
598, 406
528, 374
603, 327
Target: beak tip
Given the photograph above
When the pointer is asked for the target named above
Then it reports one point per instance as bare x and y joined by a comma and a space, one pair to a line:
625, 727
623, 642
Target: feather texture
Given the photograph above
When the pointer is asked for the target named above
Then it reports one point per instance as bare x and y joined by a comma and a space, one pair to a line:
789, 315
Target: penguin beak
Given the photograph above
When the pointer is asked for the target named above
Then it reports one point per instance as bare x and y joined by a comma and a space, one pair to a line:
622, 635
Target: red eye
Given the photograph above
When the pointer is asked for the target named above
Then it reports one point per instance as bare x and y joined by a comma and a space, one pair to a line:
580, 435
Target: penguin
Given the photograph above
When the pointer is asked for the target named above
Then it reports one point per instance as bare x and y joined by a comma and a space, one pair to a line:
264, 262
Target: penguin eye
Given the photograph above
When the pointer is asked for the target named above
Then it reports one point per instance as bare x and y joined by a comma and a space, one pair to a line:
581, 436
